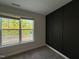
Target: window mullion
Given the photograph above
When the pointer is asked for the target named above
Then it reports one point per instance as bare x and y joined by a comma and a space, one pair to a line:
20, 37
0, 37
0, 32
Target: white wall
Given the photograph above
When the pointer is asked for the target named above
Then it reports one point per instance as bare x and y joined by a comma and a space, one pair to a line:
39, 31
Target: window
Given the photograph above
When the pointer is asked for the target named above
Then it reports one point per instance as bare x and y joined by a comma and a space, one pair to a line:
27, 29
14, 31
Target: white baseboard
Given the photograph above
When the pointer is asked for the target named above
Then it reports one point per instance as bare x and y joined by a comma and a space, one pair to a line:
65, 57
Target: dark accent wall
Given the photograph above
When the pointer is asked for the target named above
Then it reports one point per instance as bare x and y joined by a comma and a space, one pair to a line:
62, 29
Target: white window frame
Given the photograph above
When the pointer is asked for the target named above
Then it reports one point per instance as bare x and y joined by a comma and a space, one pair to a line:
20, 33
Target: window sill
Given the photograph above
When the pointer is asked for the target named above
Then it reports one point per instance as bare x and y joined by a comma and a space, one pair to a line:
3, 46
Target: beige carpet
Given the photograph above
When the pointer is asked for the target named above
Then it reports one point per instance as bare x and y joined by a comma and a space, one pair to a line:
39, 53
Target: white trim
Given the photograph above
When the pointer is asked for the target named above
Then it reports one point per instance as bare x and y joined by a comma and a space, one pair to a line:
16, 44
65, 57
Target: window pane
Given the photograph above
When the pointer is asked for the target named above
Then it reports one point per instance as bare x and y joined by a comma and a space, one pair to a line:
27, 35
26, 24
13, 24
0, 22
8, 23
5, 23
10, 37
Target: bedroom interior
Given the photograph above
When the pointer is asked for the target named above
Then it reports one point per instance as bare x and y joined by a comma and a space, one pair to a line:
39, 29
